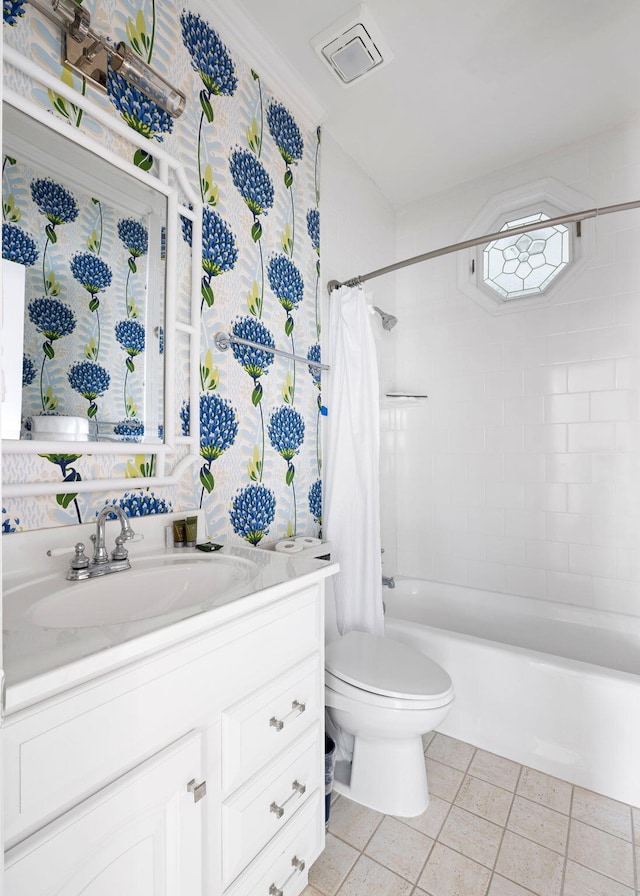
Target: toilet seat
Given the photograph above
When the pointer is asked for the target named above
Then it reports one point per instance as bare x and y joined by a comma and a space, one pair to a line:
385, 672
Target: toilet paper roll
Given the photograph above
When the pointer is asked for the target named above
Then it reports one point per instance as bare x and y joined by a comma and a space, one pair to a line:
288, 546
307, 541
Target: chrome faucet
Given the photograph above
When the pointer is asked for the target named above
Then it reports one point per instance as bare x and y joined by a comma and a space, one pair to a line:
389, 581
126, 532
101, 564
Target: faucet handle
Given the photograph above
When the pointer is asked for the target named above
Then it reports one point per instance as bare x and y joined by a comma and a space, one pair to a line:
120, 552
79, 559
67, 549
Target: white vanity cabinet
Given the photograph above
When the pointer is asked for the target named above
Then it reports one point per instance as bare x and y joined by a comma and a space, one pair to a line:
104, 782
140, 836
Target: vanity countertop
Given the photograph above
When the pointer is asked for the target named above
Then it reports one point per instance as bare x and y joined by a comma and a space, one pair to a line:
40, 661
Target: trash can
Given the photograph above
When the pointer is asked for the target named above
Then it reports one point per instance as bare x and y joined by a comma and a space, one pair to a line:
329, 770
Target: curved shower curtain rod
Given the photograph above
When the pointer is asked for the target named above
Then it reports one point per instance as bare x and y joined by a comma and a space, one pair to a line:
486, 238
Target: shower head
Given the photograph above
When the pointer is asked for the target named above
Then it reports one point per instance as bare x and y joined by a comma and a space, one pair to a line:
388, 320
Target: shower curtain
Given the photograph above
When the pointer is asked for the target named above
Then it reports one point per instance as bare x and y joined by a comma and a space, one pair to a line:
352, 500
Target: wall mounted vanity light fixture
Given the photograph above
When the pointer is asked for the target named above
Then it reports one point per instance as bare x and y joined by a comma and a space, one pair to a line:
134, 70
90, 55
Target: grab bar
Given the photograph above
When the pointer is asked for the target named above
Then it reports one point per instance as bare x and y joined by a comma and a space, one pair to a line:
224, 340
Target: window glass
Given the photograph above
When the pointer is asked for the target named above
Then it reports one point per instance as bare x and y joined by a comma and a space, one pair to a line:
525, 264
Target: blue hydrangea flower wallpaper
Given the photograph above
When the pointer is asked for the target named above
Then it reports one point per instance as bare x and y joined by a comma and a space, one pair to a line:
256, 169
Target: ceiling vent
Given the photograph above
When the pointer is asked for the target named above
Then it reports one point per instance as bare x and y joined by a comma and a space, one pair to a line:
352, 47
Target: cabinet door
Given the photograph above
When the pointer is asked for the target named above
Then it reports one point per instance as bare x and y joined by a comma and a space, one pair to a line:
140, 836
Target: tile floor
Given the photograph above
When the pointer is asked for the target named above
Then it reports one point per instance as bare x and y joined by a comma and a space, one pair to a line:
493, 828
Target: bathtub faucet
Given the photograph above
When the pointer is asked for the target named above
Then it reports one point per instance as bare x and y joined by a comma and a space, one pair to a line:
389, 581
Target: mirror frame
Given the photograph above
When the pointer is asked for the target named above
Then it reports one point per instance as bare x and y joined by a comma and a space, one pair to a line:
170, 181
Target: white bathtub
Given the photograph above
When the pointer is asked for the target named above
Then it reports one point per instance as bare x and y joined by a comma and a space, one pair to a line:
548, 685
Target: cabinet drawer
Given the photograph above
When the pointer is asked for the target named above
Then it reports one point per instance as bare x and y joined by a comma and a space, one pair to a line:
264, 806
284, 864
66, 748
254, 730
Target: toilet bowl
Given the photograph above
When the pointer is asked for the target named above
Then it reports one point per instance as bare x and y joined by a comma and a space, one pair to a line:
386, 695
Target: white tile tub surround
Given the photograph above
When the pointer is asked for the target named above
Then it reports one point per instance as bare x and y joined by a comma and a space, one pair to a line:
530, 440
550, 685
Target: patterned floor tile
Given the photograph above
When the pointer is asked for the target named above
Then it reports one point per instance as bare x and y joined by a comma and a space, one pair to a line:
550, 792
443, 780
540, 824
532, 866
485, 800
475, 837
581, 881
601, 812
353, 823
432, 819
370, 878
635, 815
447, 873
400, 848
601, 852
451, 752
495, 769
499, 830
328, 872
500, 886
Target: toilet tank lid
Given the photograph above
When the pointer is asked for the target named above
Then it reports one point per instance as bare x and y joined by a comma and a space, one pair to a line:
384, 666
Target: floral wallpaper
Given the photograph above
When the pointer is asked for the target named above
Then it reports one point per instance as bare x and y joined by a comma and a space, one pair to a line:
256, 168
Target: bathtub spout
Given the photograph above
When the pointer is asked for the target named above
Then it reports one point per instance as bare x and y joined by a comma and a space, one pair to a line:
389, 581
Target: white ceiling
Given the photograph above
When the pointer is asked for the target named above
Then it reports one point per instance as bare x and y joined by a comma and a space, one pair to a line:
475, 85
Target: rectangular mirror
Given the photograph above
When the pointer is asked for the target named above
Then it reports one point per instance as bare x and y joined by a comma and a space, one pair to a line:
91, 239
12, 334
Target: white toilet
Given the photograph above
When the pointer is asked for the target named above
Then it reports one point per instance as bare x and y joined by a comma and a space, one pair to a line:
387, 695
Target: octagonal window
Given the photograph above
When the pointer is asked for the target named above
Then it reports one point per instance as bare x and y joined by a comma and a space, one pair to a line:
525, 264
517, 271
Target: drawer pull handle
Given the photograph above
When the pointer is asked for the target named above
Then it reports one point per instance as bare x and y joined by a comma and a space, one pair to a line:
298, 868
198, 790
297, 709
298, 789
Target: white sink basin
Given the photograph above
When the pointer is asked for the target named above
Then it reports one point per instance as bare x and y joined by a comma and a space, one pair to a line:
152, 587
